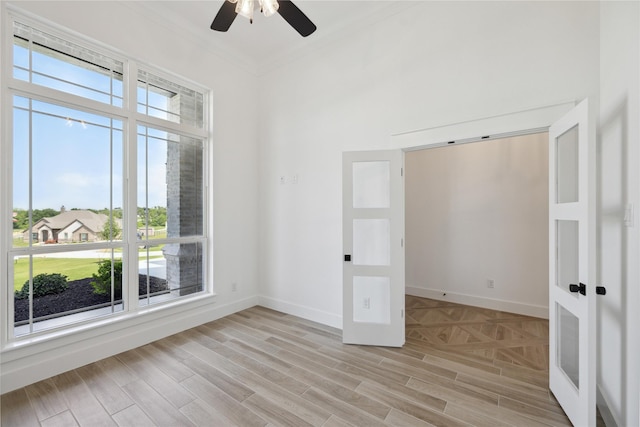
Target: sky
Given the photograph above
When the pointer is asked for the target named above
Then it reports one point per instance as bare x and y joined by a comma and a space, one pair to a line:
77, 157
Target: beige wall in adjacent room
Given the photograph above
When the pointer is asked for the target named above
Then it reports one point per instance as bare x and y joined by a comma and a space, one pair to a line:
478, 212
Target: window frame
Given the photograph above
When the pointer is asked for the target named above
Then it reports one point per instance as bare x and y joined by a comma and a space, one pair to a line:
130, 118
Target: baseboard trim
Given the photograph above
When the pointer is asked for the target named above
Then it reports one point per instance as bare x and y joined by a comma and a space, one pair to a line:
304, 312
493, 304
605, 411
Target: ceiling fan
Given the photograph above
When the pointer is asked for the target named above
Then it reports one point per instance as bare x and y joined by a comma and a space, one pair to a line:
289, 11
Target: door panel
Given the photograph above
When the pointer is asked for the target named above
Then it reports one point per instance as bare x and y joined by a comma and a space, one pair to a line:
373, 228
572, 264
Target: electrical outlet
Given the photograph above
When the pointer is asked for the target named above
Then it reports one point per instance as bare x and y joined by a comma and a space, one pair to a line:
234, 287
366, 303
490, 283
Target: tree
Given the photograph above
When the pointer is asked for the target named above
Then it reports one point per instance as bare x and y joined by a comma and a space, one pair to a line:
111, 230
22, 217
157, 216
116, 212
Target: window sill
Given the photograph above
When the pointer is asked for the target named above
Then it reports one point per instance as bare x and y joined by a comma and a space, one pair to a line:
143, 317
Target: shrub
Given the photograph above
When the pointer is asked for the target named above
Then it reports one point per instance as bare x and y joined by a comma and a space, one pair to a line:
44, 284
102, 280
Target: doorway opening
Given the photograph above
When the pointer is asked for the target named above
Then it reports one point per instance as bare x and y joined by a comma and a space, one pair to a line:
476, 223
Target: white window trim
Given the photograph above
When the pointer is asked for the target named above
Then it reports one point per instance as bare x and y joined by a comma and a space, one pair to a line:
11, 348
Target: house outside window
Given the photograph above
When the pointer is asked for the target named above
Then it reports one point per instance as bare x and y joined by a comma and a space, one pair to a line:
147, 232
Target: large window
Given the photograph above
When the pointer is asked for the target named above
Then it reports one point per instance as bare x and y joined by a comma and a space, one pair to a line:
108, 193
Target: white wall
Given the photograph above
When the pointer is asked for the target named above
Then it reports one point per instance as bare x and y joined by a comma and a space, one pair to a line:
619, 179
432, 64
127, 27
476, 212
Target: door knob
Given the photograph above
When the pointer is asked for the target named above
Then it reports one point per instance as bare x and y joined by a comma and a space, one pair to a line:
601, 290
582, 288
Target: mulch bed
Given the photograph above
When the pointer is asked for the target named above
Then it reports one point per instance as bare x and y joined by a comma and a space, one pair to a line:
79, 295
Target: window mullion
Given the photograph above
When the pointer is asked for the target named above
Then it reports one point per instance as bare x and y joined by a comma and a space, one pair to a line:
54, 96
163, 124
131, 196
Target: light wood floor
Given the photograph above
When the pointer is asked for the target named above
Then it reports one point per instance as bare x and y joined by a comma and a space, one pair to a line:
461, 366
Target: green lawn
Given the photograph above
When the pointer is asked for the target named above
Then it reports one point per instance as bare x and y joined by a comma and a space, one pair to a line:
73, 268
19, 243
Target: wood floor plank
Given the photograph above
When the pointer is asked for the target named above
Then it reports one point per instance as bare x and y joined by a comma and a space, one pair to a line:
358, 352
269, 372
85, 407
539, 378
223, 403
233, 388
345, 394
312, 355
16, 410
209, 331
330, 373
419, 364
265, 322
409, 394
45, 398
474, 410
303, 342
63, 419
108, 393
274, 413
165, 362
172, 347
462, 358
155, 406
254, 332
463, 413
400, 419
341, 409
132, 416
166, 386
536, 412
503, 387
354, 365
336, 422
117, 371
422, 412
451, 391
258, 354
280, 393
205, 415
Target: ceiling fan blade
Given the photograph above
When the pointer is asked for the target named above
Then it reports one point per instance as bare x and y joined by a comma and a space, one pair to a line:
296, 18
225, 17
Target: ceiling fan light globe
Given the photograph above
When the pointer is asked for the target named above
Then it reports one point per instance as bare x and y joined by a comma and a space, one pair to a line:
269, 7
245, 8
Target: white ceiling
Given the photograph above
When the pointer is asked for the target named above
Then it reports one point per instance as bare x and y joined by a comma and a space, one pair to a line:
267, 40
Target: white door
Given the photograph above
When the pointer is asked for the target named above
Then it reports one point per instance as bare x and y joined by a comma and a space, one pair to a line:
572, 264
373, 233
